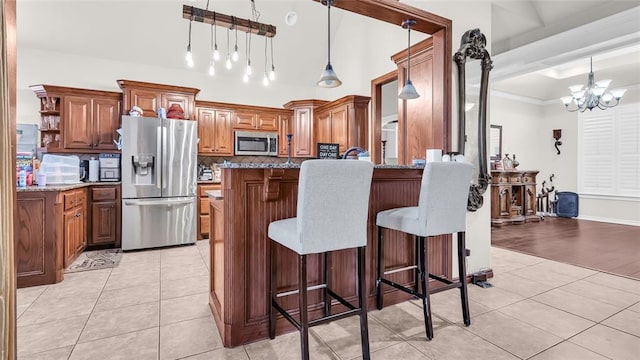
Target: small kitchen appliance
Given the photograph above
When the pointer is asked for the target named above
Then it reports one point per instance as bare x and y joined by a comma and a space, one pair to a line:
109, 167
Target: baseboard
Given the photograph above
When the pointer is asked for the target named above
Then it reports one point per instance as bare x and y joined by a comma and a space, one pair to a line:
609, 220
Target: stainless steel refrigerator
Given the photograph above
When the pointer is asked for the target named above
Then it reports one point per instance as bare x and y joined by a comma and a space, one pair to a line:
159, 159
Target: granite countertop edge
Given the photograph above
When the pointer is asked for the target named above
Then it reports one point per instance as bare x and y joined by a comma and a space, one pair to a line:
297, 166
65, 187
214, 194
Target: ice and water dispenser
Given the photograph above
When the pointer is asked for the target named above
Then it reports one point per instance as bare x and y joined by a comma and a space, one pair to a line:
143, 166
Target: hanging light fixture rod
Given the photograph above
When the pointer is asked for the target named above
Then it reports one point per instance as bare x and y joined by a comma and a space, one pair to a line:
231, 22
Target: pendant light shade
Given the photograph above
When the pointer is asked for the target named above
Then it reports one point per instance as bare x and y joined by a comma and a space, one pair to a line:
408, 91
329, 79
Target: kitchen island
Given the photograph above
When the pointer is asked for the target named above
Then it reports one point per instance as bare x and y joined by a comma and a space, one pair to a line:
254, 195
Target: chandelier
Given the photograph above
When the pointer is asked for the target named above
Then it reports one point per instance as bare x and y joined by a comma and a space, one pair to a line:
232, 24
595, 95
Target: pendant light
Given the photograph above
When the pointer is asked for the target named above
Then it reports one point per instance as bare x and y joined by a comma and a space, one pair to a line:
272, 74
228, 64
329, 79
265, 78
189, 56
212, 69
408, 91
216, 53
235, 55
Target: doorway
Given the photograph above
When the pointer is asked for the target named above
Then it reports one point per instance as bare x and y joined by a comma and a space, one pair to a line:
384, 119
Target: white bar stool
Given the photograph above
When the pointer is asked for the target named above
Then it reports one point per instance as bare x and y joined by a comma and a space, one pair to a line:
442, 209
332, 212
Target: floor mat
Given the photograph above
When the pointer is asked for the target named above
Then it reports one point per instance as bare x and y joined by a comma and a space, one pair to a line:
96, 259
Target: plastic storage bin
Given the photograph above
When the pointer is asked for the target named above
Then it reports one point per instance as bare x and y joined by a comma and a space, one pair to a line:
61, 169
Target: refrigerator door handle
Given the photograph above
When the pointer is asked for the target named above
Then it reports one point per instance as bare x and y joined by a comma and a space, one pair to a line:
159, 157
168, 202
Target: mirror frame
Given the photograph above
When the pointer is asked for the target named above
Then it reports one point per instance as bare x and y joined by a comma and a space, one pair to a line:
497, 156
472, 45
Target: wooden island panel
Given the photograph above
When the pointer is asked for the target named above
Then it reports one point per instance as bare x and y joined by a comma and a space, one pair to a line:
239, 289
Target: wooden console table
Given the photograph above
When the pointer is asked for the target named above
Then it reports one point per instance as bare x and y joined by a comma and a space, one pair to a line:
513, 197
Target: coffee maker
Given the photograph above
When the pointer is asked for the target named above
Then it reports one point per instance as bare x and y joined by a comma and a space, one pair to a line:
84, 170
109, 167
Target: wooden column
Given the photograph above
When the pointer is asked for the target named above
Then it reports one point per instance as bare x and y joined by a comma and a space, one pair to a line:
7, 175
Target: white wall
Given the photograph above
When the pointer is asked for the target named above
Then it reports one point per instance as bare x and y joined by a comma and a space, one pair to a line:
527, 129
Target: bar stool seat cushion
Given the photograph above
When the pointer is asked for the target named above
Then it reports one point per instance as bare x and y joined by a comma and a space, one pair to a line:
403, 219
286, 232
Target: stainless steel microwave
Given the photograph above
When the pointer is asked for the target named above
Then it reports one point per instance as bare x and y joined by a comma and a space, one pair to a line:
256, 143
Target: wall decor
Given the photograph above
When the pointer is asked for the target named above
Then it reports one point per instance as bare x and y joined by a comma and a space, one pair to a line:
472, 45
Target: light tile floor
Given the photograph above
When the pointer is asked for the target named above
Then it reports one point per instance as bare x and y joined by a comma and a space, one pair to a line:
154, 306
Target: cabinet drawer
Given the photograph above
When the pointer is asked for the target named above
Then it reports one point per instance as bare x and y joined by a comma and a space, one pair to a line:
204, 224
204, 206
527, 179
104, 193
203, 188
70, 199
515, 179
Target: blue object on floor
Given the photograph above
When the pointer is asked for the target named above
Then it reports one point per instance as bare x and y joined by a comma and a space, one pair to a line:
567, 204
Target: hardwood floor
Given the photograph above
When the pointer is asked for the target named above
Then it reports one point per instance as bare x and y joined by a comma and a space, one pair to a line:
601, 246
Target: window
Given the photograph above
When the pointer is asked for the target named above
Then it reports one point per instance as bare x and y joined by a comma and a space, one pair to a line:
609, 151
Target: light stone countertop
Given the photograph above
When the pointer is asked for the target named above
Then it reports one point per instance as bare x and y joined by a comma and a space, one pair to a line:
65, 187
214, 194
297, 166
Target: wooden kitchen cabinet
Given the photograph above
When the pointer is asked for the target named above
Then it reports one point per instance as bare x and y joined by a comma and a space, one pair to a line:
284, 128
203, 209
150, 97
343, 121
513, 197
214, 130
302, 126
88, 119
255, 119
38, 238
105, 214
75, 224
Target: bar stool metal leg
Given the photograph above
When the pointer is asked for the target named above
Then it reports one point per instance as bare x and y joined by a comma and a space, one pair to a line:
424, 279
302, 295
462, 277
362, 298
273, 289
327, 282
416, 261
380, 267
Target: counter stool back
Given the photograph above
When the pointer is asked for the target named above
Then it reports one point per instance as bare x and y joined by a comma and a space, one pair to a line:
442, 209
332, 211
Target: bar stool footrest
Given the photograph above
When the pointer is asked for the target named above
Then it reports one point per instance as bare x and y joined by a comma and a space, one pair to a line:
402, 288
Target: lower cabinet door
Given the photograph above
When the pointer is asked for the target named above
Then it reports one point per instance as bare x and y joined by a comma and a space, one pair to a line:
104, 217
70, 236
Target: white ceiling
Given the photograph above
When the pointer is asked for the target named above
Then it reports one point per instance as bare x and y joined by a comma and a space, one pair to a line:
153, 32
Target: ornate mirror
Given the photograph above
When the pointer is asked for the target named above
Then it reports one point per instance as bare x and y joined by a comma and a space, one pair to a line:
472, 46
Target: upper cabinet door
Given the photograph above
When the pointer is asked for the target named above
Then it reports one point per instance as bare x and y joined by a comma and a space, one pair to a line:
77, 120
244, 120
267, 121
148, 101
106, 120
340, 128
284, 128
206, 131
303, 132
323, 127
223, 133
183, 100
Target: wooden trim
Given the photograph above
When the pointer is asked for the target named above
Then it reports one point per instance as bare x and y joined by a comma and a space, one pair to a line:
309, 102
153, 86
349, 99
235, 107
7, 174
375, 127
43, 90
227, 21
395, 12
